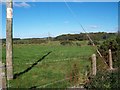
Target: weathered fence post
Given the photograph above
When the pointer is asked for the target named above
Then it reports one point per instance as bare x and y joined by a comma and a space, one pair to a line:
3, 77
0, 75
93, 64
9, 66
110, 59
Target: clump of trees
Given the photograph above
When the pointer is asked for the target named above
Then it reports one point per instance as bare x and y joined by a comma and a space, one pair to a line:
65, 39
82, 36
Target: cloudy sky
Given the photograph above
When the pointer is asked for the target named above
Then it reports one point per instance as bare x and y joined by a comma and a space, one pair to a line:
40, 19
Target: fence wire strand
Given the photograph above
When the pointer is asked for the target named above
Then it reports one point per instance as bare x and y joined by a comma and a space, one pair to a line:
53, 61
54, 82
45, 85
76, 18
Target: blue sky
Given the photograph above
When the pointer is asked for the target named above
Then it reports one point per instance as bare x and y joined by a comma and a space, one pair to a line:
42, 19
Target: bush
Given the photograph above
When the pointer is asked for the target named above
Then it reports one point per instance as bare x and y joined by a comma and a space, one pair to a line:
95, 42
66, 43
104, 80
104, 48
78, 44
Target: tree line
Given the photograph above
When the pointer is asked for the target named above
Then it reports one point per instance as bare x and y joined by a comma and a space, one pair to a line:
98, 36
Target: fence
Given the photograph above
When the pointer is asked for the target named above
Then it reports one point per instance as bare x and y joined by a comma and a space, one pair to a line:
93, 72
2, 76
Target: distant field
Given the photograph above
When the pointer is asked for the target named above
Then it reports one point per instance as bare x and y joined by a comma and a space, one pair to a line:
37, 65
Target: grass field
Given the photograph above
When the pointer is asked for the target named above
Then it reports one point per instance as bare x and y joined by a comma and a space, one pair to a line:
38, 65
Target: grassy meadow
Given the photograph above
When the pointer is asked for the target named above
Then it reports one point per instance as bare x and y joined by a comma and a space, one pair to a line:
41, 65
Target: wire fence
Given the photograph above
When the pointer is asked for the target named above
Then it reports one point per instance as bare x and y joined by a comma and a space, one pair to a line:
90, 39
43, 86
43, 62
54, 82
48, 61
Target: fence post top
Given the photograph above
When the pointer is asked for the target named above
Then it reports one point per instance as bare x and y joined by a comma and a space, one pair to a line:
9, 0
93, 55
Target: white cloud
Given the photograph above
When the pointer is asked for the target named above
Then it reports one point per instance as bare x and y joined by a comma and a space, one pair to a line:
22, 4
34, 0
94, 26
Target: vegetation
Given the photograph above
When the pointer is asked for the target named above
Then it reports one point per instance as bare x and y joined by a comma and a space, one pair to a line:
100, 36
82, 36
104, 48
62, 62
106, 79
66, 43
95, 42
37, 65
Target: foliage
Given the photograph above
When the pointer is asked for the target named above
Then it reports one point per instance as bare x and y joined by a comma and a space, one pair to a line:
82, 36
72, 37
104, 48
74, 75
106, 79
103, 80
30, 41
66, 43
95, 42
78, 44
69, 37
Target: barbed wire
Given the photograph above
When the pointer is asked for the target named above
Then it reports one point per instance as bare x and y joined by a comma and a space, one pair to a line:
67, 59
45, 85
76, 18
53, 61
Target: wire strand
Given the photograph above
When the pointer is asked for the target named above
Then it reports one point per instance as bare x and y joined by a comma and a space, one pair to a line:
75, 17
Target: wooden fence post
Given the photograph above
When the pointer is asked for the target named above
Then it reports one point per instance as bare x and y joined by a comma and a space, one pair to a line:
4, 78
93, 64
110, 59
9, 66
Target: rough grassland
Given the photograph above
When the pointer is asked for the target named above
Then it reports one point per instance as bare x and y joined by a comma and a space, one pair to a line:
37, 65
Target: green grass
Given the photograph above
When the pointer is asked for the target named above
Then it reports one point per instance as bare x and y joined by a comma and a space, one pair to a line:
48, 70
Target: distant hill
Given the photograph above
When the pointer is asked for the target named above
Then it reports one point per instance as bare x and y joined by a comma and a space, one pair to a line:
83, 36
72, 37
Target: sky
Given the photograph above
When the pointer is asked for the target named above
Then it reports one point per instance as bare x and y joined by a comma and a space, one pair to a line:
63, 0
43, 19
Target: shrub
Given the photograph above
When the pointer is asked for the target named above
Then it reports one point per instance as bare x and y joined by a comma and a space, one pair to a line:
95, 42
66, 43
109, 44
74, 75
103, 80
78, 44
